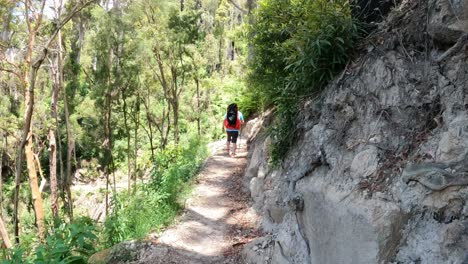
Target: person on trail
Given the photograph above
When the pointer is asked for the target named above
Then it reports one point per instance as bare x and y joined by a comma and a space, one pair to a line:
233, 121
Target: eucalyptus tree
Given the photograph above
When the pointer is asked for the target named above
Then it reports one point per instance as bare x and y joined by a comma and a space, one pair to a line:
158, 109
114, 79
31, 24
73, 82
56, 71
104, 92
129, 89
170, 51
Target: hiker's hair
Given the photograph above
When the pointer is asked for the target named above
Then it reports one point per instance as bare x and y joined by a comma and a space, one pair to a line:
231, 115
232, 106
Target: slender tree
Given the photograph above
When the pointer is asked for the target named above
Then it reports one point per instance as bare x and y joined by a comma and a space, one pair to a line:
4, 234
53, 146
2, 151
33, 19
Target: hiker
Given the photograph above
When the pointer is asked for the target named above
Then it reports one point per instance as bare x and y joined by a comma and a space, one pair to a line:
233, 120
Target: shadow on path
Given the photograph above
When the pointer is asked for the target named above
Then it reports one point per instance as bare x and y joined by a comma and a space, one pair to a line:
217, 219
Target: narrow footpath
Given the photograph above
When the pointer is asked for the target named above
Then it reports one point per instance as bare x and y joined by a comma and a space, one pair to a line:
217, 220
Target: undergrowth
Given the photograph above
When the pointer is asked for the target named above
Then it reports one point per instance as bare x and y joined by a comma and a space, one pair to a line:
148, 207
65, 243
298, 47
155, 204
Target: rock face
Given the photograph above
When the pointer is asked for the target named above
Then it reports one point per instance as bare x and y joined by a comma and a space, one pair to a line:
379, 171
448, 20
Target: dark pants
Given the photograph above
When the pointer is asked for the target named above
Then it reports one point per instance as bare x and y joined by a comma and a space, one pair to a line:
232, 136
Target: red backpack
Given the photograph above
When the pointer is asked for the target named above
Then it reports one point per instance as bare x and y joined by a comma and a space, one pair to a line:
237, 126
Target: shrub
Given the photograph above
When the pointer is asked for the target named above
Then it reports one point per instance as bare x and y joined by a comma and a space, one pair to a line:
298, 47
65, 243
154, 205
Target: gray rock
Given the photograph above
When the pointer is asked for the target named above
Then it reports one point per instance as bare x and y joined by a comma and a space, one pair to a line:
252, 255
434, 176
448, 19
393, 106
453, 145
365, 163
276, 213
451, 211
256, 188
349, 231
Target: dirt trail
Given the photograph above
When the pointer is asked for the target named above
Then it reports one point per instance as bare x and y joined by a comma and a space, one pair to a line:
216, 222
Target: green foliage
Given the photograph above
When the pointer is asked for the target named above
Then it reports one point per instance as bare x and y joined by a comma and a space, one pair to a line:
218, 94
250, 101
184, 26
65, 243
154, 205
109, 60
298, 47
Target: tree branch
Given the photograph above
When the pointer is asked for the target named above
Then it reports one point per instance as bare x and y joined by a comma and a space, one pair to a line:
237, 6
39, 17
28, 21
37, 63
10, 71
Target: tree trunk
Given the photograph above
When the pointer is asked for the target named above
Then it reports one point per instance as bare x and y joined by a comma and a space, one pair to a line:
27, 144
57, 72
28, 149
2, 150
166, 136
60, 158
251, 4
167, 96
135, 149
197, 82
150, 126
29, 78
174, 100
4, 233
67, 180
53, 173
127, 132
107, 149
76, 47
232, 50
53, 145
34, 185
176, 120
19, 162
62, 180
221, 52
4, 36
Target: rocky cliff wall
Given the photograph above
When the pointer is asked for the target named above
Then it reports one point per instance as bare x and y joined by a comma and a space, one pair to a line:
379, 171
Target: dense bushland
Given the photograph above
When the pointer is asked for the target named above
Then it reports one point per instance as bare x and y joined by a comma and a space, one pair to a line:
126, 88
298, 47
